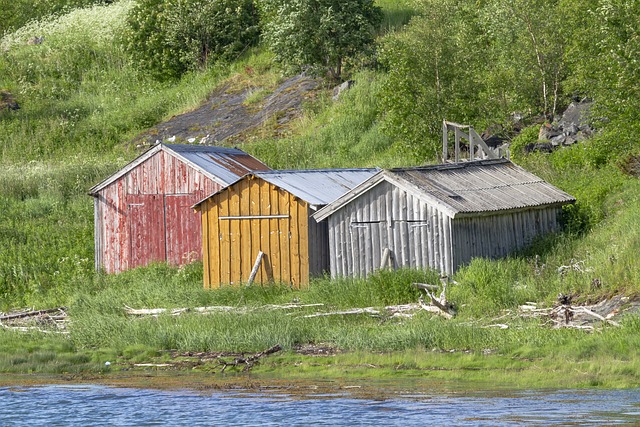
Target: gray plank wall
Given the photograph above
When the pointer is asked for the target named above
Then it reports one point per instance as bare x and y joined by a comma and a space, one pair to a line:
498, 235
417, 234
421, 236
318, 241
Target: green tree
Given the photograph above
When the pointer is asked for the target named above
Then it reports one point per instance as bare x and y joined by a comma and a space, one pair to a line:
432, 68
321, 34
527, 40
171, 37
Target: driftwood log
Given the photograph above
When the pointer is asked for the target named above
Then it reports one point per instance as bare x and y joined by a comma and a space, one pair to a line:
212, 309
32, 313
438, 305
249, 362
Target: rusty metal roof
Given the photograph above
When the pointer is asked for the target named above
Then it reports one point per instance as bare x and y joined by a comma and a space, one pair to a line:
466, 188
221, 164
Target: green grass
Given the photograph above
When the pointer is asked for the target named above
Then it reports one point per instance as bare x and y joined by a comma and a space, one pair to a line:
82, 101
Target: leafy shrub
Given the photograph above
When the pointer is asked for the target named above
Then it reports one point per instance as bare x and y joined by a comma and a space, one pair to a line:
174, 36
321, 34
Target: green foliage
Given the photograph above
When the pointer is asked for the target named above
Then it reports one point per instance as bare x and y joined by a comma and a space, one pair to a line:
16, 13
319, 33
46, 250
172, 37
604, 57
526, 41
342, 134
485, 287
430, 77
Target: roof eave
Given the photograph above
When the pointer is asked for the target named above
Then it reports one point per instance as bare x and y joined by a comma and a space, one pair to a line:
513, 210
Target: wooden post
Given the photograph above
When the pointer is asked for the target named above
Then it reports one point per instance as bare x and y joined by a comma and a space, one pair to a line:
445, 141
255, 268
488, 151
386, 256
458, 134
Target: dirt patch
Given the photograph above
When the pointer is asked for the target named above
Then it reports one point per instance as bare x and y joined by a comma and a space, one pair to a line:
229, 113
7, 101
631, 165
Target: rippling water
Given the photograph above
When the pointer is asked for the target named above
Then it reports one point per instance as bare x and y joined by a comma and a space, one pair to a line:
89, 405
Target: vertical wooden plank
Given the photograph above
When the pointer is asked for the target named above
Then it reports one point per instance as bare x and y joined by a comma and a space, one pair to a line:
304, 242
274, 234
403, 228
263, 207
448, 245
388, 200
365, 235
437, 246
349, 240
245, 239
285, 238
234, 234
334, 249
215, 242
294, 242
397, 228
122, 257
205, 212
225, 238
373, 200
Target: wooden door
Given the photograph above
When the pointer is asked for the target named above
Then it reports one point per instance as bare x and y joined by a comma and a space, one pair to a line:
183, 226
145, 213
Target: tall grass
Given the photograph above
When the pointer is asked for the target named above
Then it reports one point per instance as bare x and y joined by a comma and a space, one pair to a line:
46, 230
78, 91
332, 134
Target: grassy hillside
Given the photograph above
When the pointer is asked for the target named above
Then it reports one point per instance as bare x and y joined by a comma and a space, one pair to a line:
82, 100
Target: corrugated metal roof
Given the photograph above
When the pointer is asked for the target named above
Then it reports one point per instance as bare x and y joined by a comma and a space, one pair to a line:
317, 186
465, 188
221, 164
482, 186
225, 164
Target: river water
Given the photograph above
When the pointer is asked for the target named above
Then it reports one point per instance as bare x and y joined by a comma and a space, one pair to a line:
94, 405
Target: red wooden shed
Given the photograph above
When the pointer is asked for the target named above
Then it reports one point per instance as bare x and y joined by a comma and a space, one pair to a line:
143, 212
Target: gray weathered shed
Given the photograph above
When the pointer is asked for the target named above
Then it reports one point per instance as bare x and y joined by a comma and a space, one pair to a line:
439, 216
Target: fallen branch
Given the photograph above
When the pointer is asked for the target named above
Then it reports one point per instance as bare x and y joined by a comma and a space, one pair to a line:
251, 361
366, 310
439, 305
210, 309
594, 314
32, 313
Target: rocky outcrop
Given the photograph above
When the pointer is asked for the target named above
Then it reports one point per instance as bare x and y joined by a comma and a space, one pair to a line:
229, 114
573, 126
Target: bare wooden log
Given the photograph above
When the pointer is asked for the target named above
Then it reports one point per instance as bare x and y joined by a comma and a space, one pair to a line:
366, 310
435, 308
211, 309
255, 268
251, 361
443, 307
594, 314
426, 286
32, 313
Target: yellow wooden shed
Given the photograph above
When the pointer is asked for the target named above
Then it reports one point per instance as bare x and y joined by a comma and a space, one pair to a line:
266, 217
